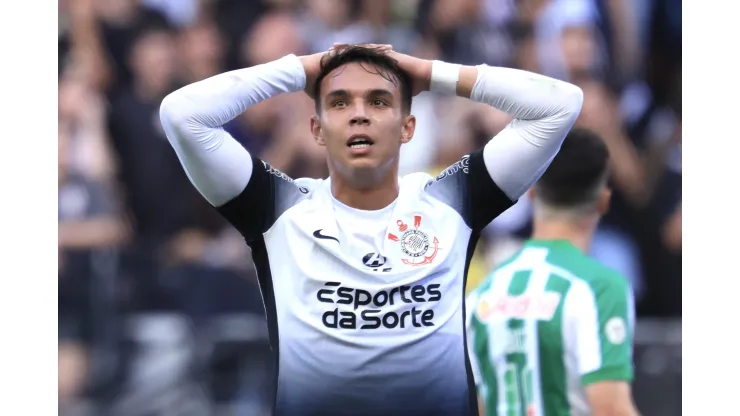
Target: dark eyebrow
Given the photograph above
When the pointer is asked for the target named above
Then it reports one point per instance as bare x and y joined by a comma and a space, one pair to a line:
377, 92
336, 94
344, 93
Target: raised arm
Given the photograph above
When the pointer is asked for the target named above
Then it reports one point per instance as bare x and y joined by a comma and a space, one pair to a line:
193, 116
544, 110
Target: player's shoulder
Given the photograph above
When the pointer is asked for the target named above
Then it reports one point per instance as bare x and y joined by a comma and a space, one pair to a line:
297, 191
443, 172
269, 169
600, 279
597, 273
312, 191
311, 185
413, 187
416, 181
576, 264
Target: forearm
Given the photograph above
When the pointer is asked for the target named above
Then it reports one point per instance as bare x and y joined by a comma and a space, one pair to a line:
522, 94
215, 101
481, 407
611, 398
192, 118
616, 409
544, 110
627, 168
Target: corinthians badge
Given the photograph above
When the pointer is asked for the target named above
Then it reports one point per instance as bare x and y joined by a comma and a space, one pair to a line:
415, 243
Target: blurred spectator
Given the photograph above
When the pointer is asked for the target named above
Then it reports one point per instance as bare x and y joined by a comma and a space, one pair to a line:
469, 31
201, 50
601, 114
89, 217
272, 37
329, 21
80, 42
179, 13
159, 197
82, 116
570, 42
672, 231
235, 18
277, 128
90, 225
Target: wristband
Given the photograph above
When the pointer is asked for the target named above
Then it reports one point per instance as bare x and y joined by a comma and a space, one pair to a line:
444, 78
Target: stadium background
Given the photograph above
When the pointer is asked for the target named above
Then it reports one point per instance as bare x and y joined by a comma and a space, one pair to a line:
159, 313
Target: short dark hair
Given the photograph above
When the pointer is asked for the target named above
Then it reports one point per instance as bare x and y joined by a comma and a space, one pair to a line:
577, 173
373, 61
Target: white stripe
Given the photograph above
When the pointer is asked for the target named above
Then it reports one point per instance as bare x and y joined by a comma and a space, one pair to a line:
581, 342
497, 328
537, 259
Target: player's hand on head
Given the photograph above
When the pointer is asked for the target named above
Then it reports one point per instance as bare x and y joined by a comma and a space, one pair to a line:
312, 66
420, 70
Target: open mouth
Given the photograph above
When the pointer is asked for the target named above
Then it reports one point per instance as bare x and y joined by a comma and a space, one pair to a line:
359, 141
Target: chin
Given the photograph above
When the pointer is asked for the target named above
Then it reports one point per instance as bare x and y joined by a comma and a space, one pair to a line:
361, 169
363, 163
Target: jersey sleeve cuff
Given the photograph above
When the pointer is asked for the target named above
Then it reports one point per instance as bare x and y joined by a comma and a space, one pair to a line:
622, 373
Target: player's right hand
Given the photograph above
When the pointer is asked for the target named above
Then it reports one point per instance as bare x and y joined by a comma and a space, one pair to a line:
312, 66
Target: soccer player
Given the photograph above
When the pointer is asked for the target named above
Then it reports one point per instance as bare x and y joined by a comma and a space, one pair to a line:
362, 274
550, 330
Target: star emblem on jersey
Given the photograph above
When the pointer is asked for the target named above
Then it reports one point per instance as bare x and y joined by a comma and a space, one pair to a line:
415, 243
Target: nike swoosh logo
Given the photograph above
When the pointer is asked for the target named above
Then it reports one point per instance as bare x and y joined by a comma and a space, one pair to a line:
318, 234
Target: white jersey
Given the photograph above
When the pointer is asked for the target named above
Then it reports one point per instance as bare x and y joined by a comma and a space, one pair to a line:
366, 315
365, 308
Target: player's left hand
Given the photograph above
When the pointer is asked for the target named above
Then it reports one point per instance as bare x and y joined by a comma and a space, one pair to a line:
420, 70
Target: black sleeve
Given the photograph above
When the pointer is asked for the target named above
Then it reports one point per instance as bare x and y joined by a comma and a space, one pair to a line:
467, 187
268, 195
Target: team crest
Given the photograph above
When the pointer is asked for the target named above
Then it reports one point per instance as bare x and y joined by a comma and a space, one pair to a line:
415, 243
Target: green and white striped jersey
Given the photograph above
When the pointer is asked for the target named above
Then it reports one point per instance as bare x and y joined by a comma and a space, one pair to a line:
545, 324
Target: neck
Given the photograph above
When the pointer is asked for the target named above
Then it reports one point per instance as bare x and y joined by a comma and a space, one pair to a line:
578, 234
369, 197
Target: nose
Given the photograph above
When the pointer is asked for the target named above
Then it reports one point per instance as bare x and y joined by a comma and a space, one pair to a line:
359, 118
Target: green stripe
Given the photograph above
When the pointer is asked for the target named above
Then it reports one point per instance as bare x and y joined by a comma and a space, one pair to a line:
480, 345
519, 283
553, 380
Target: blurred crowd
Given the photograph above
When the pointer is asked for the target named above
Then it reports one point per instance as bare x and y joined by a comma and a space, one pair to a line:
159, 312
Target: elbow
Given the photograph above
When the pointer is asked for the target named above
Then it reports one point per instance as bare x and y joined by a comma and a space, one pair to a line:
572, 101
171, 110
176, 117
